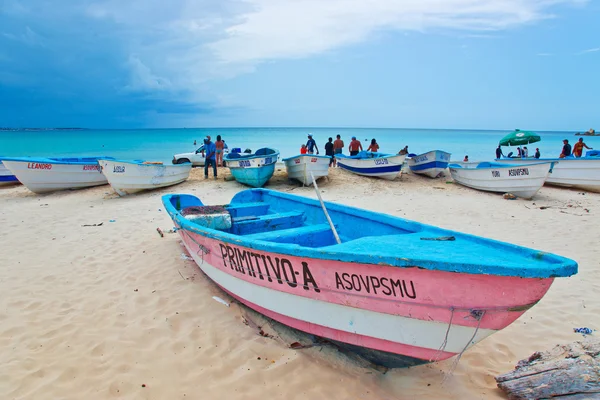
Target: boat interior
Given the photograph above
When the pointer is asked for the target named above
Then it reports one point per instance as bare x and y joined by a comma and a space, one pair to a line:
297, 225
265, 151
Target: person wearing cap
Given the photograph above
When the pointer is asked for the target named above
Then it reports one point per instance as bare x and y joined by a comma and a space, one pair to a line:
311, 145
211, 151
566, 150
537, 153
355, 146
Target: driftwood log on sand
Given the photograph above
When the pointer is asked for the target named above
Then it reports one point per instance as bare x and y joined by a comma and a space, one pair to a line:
567, 371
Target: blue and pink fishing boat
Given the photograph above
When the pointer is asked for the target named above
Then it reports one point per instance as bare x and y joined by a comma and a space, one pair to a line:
398, 292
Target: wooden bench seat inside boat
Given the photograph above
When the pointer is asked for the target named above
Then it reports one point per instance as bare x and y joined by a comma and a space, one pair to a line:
309, 235
249, 224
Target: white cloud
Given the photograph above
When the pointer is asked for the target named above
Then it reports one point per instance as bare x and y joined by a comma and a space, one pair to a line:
299, 28
593, 50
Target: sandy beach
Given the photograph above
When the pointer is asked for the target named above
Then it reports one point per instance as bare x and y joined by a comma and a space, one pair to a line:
117, 311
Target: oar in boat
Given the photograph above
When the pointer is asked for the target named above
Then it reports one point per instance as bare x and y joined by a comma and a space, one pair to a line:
337, 238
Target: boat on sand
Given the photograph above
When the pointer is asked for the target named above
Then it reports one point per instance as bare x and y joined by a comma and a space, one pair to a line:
127, 177
6, 177
366, 163
579, 173
253, 169
519, 179
430, 164
43, 175
301, 167
398, 292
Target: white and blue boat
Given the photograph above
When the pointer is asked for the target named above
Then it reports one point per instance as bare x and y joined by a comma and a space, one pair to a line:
366, 163
522, 180
430, 164
304, 167
43, 175
6, 177
398, 292
128, 177
253, 169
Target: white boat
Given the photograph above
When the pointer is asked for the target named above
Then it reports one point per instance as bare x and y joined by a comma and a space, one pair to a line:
7, 177
43, 175
521, 180
430, 164
127, 177
581, 173
301, 166
366, 163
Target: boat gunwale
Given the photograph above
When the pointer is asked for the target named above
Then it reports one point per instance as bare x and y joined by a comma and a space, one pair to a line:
561, 266
305, 155
141, 163
58, 160
457, 165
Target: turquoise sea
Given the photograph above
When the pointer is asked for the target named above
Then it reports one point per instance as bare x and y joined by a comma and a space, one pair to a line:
162, 144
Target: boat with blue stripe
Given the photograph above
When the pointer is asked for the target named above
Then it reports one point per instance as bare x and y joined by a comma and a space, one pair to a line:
6, 177
430, 164
366, 163
43, 175
253, 169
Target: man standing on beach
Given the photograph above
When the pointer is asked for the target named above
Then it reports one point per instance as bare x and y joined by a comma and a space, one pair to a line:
499, 152
329, 152
354, 146
338, 145
311, 145
566, 150
578, 148
211, 150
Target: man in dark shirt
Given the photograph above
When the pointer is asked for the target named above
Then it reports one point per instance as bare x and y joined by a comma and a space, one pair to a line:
537, 153
499, 152
329, 151
311, 145
566, 150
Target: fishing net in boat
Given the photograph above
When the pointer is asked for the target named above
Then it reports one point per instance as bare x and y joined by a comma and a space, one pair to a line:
214, 217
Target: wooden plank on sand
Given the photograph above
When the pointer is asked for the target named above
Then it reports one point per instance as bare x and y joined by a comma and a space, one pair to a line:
572, 371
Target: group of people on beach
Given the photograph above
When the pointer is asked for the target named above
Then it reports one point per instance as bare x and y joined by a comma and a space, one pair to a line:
213, 154
577, 148
334, 147
576, 151
521, 153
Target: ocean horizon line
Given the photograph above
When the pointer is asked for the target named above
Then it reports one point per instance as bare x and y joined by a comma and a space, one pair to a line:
35, 129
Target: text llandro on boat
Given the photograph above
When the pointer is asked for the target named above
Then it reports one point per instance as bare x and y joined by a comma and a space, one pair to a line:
42, 175
398, 292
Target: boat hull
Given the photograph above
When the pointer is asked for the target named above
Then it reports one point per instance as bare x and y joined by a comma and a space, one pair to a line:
400, 317
44, 175
7, 177
429, 164
580, 173
133, 177
521, 180
386, 167
253, 170
300, 167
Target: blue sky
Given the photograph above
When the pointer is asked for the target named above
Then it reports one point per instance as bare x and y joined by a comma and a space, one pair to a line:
487, 64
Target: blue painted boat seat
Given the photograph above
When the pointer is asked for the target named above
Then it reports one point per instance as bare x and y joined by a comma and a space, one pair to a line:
318, 235
248, 225
247, 209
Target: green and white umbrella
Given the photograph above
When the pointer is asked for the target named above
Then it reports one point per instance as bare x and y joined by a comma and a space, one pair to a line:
519, 138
